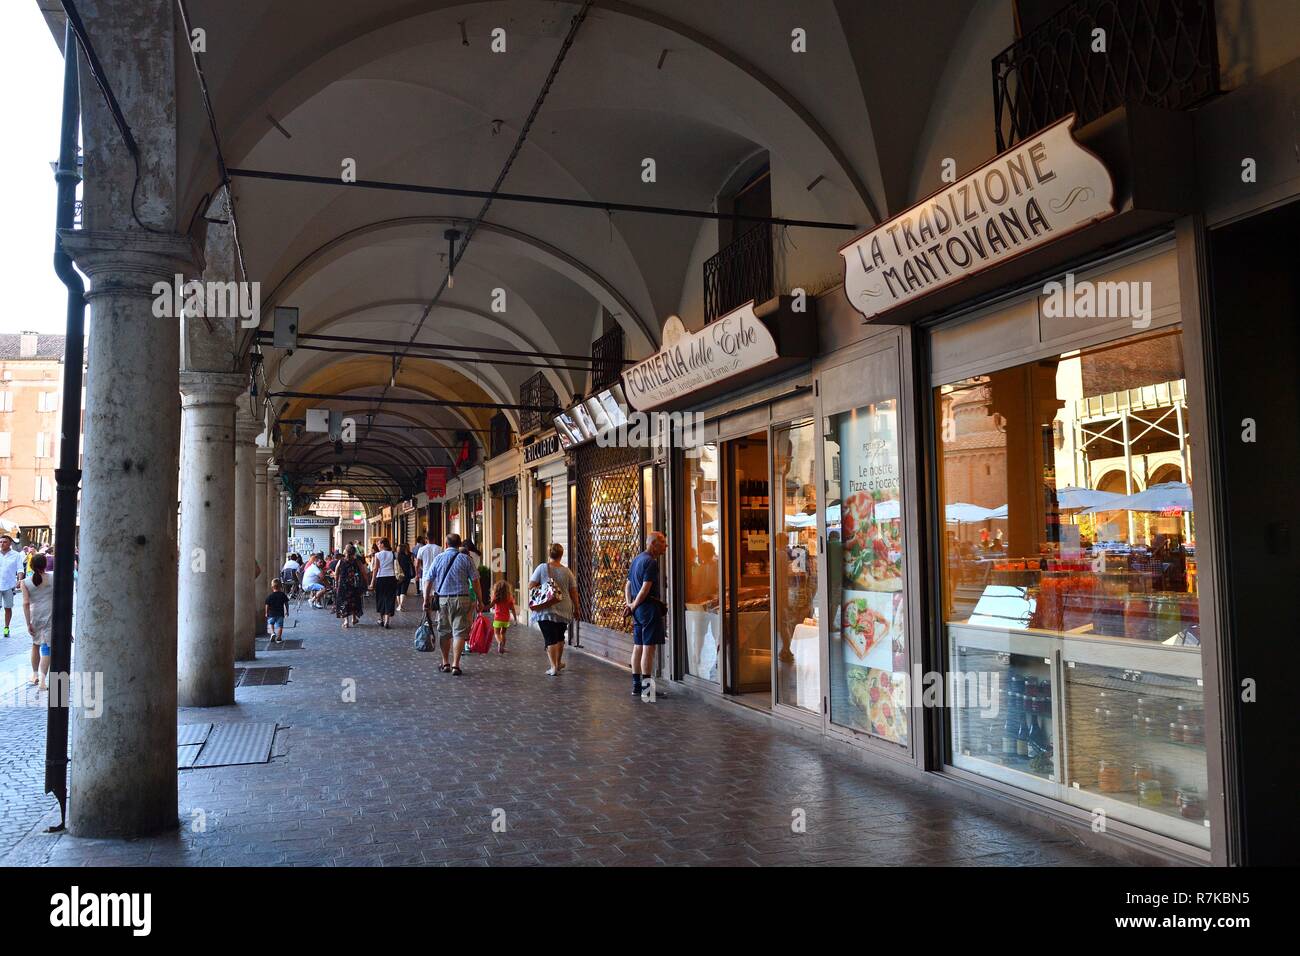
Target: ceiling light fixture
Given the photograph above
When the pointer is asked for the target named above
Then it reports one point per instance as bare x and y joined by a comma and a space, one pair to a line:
451, 235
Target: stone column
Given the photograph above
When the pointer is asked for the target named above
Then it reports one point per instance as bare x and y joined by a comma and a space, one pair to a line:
263, 536
206, 577
274, 547
123, 764
248, 606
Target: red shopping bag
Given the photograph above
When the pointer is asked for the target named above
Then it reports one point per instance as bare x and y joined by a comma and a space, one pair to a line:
480, 634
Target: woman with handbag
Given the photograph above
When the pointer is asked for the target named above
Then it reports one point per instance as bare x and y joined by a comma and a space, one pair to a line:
383, 581
405, 572
553, 602
350, 586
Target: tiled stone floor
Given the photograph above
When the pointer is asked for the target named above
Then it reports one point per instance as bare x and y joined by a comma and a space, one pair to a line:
419, 767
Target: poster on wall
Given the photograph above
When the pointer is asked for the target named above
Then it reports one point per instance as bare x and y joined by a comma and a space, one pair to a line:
870, 616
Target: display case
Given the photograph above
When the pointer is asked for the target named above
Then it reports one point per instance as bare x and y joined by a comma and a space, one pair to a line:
1135, 734
1112, 726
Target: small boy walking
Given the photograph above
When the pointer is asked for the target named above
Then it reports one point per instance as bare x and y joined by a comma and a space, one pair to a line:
277, 605
503, 612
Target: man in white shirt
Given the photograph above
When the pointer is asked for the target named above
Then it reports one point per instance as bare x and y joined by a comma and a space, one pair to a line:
11, 563
424, 556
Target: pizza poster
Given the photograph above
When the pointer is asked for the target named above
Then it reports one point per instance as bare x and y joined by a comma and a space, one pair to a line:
872, 613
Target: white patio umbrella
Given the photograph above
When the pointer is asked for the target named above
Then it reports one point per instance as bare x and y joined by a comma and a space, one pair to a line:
1166, 496
960, 512
1073, 498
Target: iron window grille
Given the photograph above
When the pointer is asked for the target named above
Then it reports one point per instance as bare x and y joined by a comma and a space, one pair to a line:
607, 359
607, 530
1160, 53
536, 391
740, 271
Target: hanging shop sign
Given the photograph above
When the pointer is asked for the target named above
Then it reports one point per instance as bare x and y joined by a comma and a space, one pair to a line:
312, 521
358, 517
406, 507
691, 361
542, 448
590, 418
1044, 188
435, 482
387, 513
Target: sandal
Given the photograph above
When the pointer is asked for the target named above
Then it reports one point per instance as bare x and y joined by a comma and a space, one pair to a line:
455, 671
445, 668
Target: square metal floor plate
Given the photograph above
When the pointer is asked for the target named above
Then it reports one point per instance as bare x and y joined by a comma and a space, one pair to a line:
186, 755
288, 644
192, 734
238, 743
260, 676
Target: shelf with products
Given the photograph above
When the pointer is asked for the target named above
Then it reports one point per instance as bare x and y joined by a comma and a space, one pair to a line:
1120, 724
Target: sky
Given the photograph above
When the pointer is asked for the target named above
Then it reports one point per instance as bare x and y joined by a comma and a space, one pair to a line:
31, 76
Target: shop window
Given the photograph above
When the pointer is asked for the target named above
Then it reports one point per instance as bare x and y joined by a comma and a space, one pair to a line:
797, 567
865, 560
701, 550
1070, 583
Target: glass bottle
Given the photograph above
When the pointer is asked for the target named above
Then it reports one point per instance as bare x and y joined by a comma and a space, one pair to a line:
1011, 726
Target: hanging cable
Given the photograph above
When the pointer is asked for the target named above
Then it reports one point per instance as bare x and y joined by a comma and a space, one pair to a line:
473, 225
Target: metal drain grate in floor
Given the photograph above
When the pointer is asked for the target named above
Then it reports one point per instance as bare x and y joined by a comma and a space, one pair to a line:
240, 743
288, 644
260, 676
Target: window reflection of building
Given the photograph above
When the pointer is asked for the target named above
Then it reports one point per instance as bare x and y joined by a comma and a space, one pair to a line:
1081, 460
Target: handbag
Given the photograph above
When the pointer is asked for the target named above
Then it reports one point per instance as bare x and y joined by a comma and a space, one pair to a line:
424, 636
434, 603
546, 594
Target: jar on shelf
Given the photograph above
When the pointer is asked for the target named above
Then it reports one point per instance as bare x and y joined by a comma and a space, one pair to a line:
1192, 733
1189, 803
1109, 778
1150, 794
1141, 772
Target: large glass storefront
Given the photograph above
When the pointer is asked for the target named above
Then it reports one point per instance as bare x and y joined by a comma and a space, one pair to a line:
864, 559
1069, 581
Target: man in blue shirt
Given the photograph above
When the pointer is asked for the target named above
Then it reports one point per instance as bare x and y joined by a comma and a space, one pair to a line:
449, 579
645, 604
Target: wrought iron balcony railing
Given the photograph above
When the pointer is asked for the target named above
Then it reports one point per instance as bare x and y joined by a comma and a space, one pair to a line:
1157, 52
739, 272
607, 359
535, 390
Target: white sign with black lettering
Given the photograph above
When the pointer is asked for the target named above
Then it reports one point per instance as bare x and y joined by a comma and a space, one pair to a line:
1043, 188
689, 361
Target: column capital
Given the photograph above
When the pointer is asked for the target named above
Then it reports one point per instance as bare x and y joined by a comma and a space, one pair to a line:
246, 427
211, 388
130, 260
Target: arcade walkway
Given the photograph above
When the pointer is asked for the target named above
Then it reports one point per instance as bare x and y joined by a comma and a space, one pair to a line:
412, 772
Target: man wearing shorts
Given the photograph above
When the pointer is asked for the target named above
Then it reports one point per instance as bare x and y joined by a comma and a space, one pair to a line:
645, 604
313, 580
11, 562
449, 579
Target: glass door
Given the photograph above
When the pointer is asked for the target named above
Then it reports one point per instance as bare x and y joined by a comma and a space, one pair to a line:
748, 585
796, 567
701, 549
